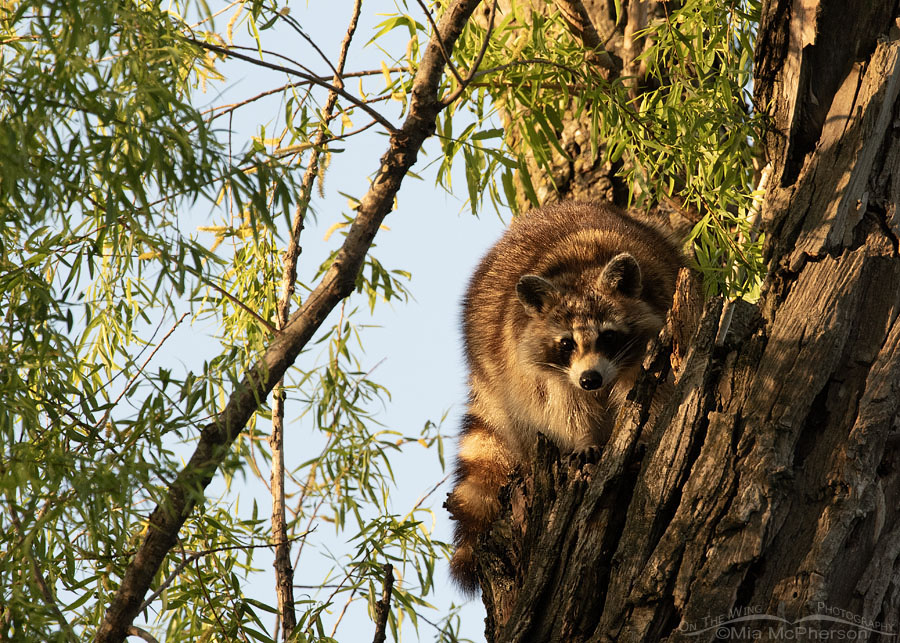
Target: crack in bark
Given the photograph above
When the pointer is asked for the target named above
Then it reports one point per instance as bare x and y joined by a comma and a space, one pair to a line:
880, 214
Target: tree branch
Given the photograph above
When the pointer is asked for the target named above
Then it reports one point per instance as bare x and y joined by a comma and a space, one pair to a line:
315, 80
293, 24
337, 283
141, 634
463, 84
383, 608
222, 110
576, 16
444, 52
284, 572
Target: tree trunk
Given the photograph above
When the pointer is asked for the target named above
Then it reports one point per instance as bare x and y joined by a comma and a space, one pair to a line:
767, 490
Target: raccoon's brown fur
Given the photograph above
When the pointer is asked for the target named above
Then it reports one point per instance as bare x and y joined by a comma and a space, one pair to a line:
556, 321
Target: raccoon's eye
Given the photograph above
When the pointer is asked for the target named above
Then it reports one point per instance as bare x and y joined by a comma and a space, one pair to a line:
610, 339
567, 344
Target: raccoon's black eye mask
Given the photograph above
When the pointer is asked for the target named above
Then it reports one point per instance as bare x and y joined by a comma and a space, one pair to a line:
611, 340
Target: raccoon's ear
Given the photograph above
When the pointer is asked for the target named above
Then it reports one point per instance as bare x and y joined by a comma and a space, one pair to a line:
535, 293
622, 274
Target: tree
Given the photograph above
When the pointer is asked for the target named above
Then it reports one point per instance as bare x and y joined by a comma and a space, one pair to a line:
766, 491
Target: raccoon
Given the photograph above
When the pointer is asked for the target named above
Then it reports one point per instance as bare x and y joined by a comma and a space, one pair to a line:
556, 320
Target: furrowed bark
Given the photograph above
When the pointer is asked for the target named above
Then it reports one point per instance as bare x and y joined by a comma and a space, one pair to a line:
338, 283
771, 480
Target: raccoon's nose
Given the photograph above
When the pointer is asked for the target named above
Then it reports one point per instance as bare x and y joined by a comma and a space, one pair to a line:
590, 380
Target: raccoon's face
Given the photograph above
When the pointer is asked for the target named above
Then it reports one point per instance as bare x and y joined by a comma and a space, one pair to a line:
591, 355
589, 336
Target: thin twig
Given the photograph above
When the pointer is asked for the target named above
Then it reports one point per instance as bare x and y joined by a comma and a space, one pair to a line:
275, 54
427, 494
284, 571
383, 608
169, 579
141, 634
139, 371
294, 72
472, 71
221, 110
347, 603
293, 24
217, 13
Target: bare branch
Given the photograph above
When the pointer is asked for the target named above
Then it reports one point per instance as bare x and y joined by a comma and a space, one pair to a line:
444, 52
383, 609
344, 609
141, 634
293, 24
225, 51
222, 110
216, 14
284, 571
289, 275
275, 54
216, 439
428, 493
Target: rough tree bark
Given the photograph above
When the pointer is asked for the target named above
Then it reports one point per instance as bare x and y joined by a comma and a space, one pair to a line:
769, 486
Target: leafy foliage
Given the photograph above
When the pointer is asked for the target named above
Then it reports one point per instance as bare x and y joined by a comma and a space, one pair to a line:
105, 161
683, 127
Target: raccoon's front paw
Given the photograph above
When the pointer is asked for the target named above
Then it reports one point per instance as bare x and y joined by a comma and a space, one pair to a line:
585, 455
